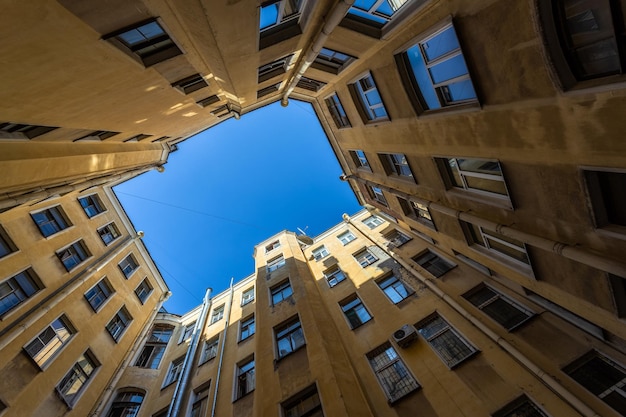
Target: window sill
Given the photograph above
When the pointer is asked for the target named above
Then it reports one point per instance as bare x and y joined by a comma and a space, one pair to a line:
169, 384
464, 360
491, 199
406, 300
509, 263
360, 326
282, 358
247, 394
245, 340
400, 399
207, 361
612, 231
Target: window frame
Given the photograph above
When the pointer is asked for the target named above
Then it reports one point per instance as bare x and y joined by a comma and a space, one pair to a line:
103, 289
111, 231
187, 332
209, 347
244, 375
360, 160
331, 273
388, 282
310, 84
376, 194
22, 294
320, 253
10, 130
372, 221
451, 364
190, 84
77, 371
55, 216
290, 330
396, 165
130, 263
125, 404
359, 89
371, 259
273, 245
247, 300
284, 26
280, 288
484, 304
485, 240
154, 347
147, 290
119, 323
247, 325
293, 404
436, 272
161, 53
417, 211
77, 250
513, 408
337, 111
217, 314
350, 307
396, 365
329, 63
275, 263
396, 241
7, 246
594, 181
173, 371
409, 79
94, 205
56, 339
274, 69
371, 27
348, 235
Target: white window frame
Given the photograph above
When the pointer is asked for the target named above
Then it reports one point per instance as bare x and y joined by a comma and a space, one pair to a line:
247, 296
173, 371
393, 286
59, 337
373, 221
362, 86
209, 349
217, 314
320, 253
365, 257
275, 264
346, 237
331, 273
247, 325
464, 174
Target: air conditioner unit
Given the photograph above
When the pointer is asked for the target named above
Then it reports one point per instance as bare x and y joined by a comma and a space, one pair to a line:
405, 335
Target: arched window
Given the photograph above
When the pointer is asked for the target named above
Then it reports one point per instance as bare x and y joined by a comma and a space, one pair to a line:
126, 404
586, 39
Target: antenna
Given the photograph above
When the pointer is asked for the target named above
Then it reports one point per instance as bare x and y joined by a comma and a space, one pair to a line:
303, 238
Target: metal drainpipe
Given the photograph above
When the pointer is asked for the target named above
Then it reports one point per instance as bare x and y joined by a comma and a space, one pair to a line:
560, 248
45, 305
120, 369
331, 23
219, 367
548, 380
183, 381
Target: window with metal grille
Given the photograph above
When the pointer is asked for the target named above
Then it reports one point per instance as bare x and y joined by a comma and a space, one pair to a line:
433, 263
445, 341
392, 373
505, 311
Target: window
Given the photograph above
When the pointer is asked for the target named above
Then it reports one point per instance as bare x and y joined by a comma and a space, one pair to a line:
275, 263
355, 311
281, 292
433, 263
396, 238
190, 84
395, 289
73, 255
391, 372
98, 294
206, 102
137, 138
521, 407
98, 135
245, 379
319, 253
337, 112
246, 328
217, 315
247, 296
173, 373
109, 233
331, 61
304, 404
435, 72
395, 164
50, 341
74, 382
50, 221
146, 41
274, 245
496, 243
373, 222
274, 68
17, 289
6, 244
119, 323
143, 291
360, 160
377, 195
364, 257
92, 205
289, 337
310, 84
481, 176
279, 21
188, 330
22, 131
585, 38
417, 211
154, 348
500, 308
126, 404
268, 90
368, 100
128, 266
334, 275
377, 17
200, 401
346, 237
209, 350
602, 377
449, 346
606, 191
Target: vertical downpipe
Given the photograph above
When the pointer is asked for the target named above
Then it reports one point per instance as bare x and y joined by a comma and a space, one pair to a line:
181, 385
219, 367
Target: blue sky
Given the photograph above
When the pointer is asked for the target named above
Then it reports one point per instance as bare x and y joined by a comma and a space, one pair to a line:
231, 187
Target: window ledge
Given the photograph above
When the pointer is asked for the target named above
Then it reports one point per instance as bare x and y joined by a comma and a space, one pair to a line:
509, 263
246, 339
612, 231
362, 324
278, 360
491, 199
243, 396
406, 300
400, 399
464, 360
